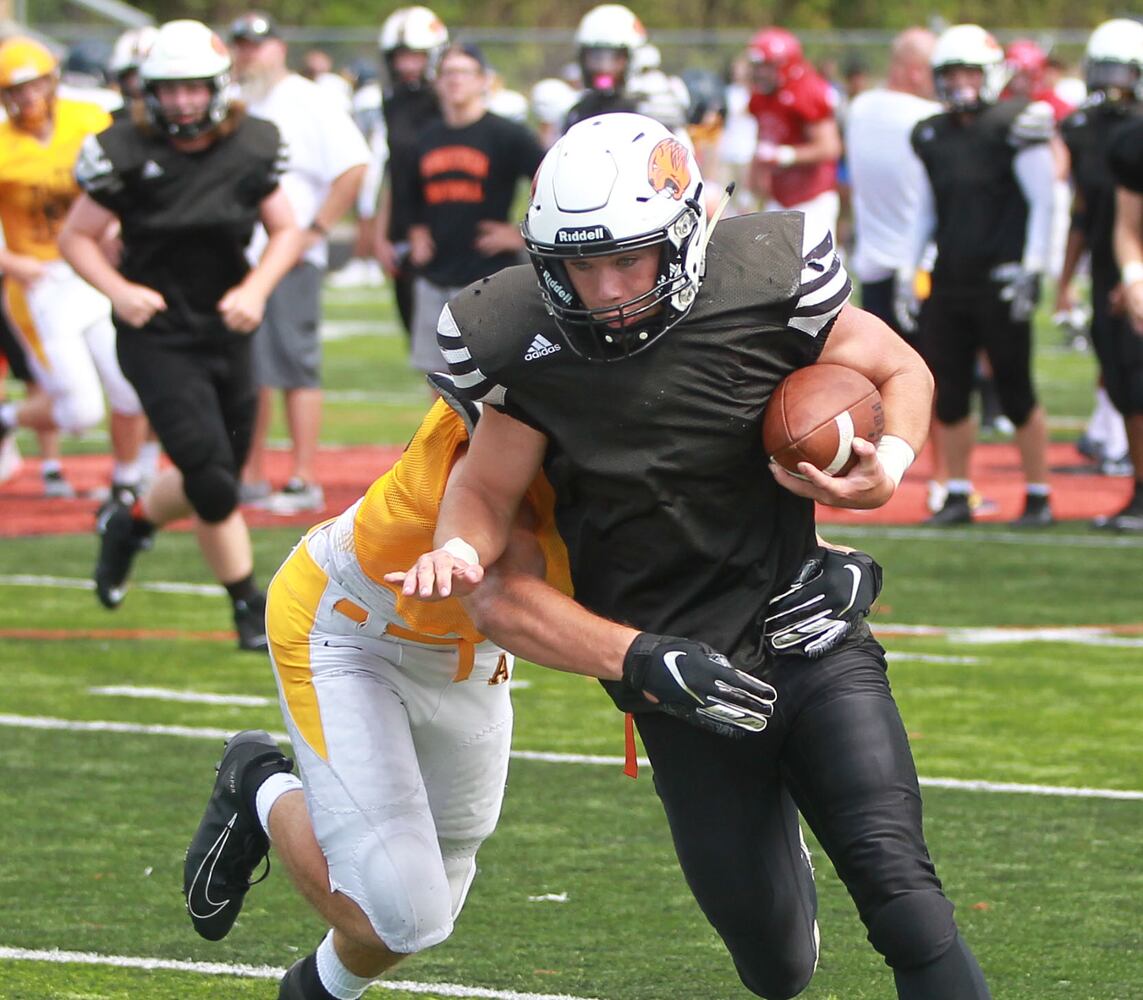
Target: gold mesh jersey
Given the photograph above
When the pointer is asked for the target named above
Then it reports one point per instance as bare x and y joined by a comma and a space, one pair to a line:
397, 517
37, 184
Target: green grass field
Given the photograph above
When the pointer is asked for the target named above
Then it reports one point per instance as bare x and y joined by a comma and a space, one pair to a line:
1021, 698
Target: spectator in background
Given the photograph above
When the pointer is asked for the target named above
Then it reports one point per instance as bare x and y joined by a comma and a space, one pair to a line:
461, 186
326, 161
411, 41
799, 144
318, 67
988, 207
63, 324
187, 181
888, 181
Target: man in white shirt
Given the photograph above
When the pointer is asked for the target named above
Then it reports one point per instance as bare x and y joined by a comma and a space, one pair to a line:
887, 178
326, 162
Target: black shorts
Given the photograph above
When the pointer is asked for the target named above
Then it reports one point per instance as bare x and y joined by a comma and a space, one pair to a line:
835, 749
1119, 350
200, 398
13, 350
957, 323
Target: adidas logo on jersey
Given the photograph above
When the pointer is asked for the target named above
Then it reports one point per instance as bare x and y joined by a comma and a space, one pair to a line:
540, 347
151, 170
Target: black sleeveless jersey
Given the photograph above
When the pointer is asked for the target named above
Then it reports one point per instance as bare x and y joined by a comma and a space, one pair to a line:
1088, 132
982, 214
186, 218
672, 520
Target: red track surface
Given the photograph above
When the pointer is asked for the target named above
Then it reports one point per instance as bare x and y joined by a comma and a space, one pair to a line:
345, 473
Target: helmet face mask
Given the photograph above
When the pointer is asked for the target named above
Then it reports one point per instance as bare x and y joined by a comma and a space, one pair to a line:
607, 38
615, 184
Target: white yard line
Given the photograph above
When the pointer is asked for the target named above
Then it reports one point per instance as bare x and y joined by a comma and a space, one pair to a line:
58, 957
211, 733
190, 697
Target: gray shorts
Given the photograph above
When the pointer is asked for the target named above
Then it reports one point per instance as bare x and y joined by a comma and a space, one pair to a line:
287, 346
428, 301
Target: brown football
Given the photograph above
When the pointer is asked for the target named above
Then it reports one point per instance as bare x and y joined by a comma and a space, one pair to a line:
815, 413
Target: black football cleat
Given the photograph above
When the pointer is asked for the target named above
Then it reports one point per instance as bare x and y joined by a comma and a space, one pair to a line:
121, 537
1037, 513
956, 510
229, 842
250, 623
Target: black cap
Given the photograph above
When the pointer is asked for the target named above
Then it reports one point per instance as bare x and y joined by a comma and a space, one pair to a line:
253, 27
470, 49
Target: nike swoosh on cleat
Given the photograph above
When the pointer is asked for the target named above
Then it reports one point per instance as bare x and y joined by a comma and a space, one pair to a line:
208, 864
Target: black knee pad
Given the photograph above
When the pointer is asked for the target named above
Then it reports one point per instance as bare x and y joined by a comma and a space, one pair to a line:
212, 491
913, 929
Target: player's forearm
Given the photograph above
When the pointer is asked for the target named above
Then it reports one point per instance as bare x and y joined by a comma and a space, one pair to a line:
468, 513
83, 252
341, 196
535, 621
907, 397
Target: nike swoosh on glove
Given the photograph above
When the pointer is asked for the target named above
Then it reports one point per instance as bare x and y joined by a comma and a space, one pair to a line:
831, 593
697, 683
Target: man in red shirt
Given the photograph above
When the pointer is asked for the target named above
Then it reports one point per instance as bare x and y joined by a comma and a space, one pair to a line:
799, 143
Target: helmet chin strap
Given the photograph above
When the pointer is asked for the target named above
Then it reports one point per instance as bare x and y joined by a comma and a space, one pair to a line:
727, 194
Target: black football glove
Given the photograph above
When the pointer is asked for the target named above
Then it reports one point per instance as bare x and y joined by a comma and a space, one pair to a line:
832, 592
698, 684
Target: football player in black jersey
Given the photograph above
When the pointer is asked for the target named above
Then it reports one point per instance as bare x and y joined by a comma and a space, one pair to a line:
1113, 68
606, 39
411, 40
186, 182
991, 176
637, 379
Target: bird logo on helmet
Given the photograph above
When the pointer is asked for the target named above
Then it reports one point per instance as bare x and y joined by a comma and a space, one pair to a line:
1113, 60
614, 183
23, 60
186, 51
968, 46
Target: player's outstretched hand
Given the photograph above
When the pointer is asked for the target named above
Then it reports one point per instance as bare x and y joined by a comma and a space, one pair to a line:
832, 592
865, 486
696, 683
440, 574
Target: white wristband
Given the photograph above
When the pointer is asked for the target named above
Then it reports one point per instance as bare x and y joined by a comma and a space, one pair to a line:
896, 456
460, 549
1131, 273
786, 156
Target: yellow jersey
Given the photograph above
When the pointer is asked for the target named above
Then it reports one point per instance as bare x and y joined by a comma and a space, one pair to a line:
395, 521
37, 181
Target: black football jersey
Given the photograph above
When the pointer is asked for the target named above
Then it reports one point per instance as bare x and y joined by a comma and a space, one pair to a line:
186, 218
1125, 156
672, 520
407, 111
1088, 133
598, 102
982, 214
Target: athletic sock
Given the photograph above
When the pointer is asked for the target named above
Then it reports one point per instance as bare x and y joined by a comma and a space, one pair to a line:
962, 487
244, 590
50, 466
272, 789
125, 474
7, 417
309, 982
1038, 489
334, 977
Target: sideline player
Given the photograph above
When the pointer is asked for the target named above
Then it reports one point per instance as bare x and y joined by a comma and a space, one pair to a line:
64, 324
400, 717
674, 523
187, 181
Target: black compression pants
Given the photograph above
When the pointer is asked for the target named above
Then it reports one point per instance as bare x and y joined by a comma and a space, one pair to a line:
201, 401
835, 750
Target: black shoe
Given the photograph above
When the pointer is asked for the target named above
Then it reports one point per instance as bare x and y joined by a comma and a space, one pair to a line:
956, 510
229, 842
120, 538
1037, 513
1130, 519
250, 622
301, 982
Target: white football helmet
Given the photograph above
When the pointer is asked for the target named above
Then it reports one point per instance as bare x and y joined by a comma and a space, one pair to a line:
612, 183
187, 50
606, 41
131, 49
416, 29
970, 46
1113, 59
552, 99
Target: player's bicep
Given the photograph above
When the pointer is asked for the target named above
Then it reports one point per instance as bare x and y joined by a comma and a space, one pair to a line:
503, 459
87, 217
861, 341
276, 212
